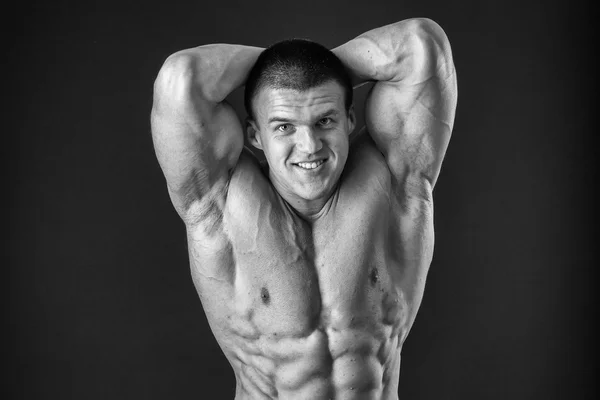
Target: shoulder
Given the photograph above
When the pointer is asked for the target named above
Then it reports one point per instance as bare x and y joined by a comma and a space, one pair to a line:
365, 185
249, 176
249, 185
366, 165
367, 173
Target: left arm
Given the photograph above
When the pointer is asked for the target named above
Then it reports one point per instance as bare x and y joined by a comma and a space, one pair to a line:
410, 110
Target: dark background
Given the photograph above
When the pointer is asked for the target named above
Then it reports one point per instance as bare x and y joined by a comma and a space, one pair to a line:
98, 299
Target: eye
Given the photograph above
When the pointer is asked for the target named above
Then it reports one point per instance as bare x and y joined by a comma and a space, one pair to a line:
325, 121
284, 128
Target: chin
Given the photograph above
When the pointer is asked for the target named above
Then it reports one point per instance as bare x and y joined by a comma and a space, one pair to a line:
314, 193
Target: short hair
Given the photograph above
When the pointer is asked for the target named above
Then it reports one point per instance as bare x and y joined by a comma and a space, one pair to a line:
297, 64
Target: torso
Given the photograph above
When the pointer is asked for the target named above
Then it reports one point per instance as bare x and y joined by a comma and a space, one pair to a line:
318, 309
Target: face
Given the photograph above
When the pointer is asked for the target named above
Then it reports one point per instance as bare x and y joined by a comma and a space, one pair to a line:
304, 136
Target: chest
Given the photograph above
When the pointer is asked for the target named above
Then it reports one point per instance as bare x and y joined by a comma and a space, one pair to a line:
292, 277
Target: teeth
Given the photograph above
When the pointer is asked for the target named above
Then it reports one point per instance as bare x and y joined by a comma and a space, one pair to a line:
311, 165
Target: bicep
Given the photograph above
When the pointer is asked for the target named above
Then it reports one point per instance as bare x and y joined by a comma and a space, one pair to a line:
411, 117
412, 124
197, 143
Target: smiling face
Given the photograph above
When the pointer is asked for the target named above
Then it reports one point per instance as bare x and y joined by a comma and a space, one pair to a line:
304, 136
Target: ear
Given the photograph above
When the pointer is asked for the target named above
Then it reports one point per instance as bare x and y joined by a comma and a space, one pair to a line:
351, 119
253, 134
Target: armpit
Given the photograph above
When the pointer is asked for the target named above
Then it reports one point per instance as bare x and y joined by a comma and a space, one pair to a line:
205, 208
412, 186
192, 190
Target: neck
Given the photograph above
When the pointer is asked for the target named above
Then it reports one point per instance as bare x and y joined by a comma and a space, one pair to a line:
309, 210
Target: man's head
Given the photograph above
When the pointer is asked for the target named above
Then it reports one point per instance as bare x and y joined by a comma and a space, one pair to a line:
297, 64
299, 101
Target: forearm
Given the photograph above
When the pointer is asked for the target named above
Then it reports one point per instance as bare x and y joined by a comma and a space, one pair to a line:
408, 51
210, 72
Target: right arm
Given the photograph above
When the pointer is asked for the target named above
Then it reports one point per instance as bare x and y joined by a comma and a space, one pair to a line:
197, 136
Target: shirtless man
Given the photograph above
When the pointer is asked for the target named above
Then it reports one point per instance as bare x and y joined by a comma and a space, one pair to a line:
311, 267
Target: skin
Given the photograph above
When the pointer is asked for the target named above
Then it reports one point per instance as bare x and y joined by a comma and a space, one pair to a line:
303, 127
310, 279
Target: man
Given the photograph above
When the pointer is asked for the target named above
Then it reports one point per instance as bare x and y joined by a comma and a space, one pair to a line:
310, 268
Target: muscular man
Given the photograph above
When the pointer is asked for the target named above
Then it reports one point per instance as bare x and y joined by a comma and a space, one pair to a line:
310, 267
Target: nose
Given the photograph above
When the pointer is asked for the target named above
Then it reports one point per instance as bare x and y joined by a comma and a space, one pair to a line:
308, 141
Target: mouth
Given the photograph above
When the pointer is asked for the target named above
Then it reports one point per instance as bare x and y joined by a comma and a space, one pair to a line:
311, 165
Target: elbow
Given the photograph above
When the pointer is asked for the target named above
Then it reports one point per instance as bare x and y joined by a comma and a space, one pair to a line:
185, 75
429, 32
176, 78
427, 53
434, 40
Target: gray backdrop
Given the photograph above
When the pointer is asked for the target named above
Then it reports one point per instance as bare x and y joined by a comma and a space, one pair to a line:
99, 301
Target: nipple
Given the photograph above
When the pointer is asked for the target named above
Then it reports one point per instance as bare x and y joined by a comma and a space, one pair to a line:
265, 297
374, 276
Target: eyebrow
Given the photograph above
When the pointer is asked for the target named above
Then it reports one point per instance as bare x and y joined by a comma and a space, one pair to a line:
328, 113
279, 119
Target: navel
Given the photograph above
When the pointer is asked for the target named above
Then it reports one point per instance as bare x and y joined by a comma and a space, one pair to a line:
374, 276
265, 297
